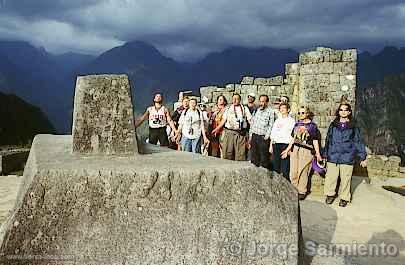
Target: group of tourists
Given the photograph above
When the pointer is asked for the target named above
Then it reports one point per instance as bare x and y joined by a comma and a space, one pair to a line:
267, 136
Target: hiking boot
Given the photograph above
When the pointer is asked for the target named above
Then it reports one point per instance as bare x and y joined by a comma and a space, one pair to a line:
329, 199
343, 203
301, 196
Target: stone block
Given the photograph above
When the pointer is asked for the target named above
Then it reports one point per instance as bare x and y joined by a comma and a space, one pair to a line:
275, 81
287, 90
103, 118
207, 92
325, 68
292, 69
13, 161
246, 89
349, 55
230, 87
336, 56
334, 78
345, 68
238, 88
292, 79
260, 81
312, 57
263, 90
127, 210
309, 69
395, 159
247, 80
325, 53
394, 174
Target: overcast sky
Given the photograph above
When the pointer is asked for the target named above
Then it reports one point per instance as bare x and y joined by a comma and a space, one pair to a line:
187, 29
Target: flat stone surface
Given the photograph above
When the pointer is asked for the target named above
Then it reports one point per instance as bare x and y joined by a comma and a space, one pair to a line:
163, 207
103, 118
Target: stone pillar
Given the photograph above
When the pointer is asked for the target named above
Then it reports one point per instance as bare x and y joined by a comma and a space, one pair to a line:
327, 77
103, 118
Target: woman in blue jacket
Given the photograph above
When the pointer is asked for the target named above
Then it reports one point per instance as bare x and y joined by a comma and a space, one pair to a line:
342, 146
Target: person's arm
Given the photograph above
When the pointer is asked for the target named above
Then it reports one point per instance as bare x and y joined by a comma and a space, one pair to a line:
328, 139
317, 150
203, 129
286, 151
180, 128
248, 115
270, 125
316, 143
221, 124
140, 120
170, 121
360, 147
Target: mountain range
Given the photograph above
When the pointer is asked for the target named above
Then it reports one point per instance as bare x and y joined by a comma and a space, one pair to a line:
48, 80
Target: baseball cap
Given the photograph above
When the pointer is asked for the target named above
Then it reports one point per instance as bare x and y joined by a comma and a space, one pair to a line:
253, 95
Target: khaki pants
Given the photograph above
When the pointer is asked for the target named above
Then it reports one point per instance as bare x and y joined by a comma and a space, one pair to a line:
300, 165
332, 174
233, 146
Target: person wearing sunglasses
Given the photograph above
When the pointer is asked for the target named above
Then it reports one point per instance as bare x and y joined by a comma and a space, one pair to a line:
343, 145
301, 149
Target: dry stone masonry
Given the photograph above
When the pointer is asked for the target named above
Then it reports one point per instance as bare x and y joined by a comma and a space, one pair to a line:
162, 207
321, 80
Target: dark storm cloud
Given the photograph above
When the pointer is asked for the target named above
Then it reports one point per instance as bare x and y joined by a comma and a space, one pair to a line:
190, 28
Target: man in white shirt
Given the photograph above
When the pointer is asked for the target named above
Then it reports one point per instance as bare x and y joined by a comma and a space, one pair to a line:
280, 138
192, 129
235, 120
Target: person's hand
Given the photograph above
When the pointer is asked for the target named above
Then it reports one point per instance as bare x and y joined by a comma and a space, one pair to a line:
271, 149
206, 140
249, 144
363, 163
215, 131
285, 153
319, 157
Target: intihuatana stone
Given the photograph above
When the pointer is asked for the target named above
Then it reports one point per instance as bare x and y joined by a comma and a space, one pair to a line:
103, 118
190, 209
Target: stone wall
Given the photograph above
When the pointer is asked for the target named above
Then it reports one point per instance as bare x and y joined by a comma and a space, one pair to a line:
320, 79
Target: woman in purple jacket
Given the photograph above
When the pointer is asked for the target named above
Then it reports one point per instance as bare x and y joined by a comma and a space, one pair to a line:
342, 146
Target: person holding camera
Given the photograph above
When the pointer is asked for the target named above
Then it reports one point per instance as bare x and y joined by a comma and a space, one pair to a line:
159, 118
259, 134
192, 128
235, 120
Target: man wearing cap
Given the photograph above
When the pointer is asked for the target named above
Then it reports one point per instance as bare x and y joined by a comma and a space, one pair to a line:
251, 103
252, 108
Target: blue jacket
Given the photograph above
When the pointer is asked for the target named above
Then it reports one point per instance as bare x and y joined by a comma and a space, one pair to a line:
344, 144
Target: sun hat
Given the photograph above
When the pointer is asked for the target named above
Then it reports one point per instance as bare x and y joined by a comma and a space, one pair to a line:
319, 167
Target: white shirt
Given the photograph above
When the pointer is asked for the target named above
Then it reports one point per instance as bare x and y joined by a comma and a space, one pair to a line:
192, 123
157, 117
233, 114
281, 131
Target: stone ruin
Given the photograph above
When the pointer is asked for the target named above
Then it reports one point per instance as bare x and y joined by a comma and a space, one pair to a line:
321, 80
91, 198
